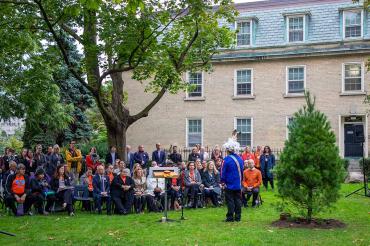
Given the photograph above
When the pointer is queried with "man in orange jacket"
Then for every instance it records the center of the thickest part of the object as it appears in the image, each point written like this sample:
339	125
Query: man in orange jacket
252	180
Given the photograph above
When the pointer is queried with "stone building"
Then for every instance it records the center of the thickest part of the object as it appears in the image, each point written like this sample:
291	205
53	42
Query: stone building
284	47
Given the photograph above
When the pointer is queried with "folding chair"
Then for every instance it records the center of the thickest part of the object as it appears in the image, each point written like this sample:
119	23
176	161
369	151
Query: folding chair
81	194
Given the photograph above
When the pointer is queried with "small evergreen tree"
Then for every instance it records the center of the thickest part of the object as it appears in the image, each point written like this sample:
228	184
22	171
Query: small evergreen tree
310	170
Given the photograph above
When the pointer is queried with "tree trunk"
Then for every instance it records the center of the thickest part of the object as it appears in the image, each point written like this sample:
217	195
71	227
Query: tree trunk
117	138
310	206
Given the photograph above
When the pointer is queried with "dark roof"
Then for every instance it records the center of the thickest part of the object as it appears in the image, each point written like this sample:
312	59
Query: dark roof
269	4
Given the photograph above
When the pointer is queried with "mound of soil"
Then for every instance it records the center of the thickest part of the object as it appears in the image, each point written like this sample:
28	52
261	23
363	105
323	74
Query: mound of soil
314	224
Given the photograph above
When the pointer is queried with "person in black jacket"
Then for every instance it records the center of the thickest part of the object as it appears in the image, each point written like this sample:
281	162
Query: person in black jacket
37	186
61	184
17	189
175	157
211	181
101	190
122	191
54	160
194	155
112	156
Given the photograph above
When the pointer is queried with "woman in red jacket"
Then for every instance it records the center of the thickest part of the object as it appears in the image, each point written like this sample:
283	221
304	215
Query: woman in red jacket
92	160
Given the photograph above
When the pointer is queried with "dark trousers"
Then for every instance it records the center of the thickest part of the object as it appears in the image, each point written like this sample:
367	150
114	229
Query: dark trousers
254	192
265	181
174	195
123	202
64	196
10	202
98	199
234	204
193	190
37	200
211	194
139	203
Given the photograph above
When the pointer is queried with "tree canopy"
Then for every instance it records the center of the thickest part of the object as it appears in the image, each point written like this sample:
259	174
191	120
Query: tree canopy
155	40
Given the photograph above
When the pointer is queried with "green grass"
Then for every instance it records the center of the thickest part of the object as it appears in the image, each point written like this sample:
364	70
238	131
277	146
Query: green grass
202	227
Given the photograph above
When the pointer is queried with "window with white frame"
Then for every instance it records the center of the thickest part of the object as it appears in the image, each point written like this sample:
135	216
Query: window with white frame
244	128
194	132
296	28
244	33
296	79
196	82
243	82
352	77
352	20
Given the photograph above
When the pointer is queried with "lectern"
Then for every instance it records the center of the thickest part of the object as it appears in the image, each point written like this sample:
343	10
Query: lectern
167	173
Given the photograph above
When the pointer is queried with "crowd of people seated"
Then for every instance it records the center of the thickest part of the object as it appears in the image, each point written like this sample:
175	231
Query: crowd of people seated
44	180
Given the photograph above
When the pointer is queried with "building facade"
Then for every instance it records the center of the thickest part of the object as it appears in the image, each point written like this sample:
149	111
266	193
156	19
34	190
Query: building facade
283	48
10	126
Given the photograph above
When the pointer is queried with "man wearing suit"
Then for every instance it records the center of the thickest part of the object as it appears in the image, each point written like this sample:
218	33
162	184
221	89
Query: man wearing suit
141	157
112	156
101	190
122	191
159	155
130	157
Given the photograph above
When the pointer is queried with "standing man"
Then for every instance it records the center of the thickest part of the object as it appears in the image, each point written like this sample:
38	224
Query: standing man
141	157
175	157
231	178
112	156
74	159
159	155
130	158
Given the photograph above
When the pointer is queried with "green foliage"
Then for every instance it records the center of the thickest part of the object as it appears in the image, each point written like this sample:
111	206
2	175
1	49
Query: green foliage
13	141
366	167
310	169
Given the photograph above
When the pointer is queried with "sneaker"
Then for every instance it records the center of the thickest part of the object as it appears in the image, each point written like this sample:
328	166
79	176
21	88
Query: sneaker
71	214
45	213
30	213
228	220
64	205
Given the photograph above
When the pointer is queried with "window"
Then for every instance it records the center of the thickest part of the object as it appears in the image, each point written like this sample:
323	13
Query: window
296	79
244	33
352	24
296	29
196	80
352	77
194	132
243	82
244	127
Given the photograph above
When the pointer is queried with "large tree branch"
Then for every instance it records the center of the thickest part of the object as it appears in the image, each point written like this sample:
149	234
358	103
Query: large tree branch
112	71
145	111
186	50
59	42
71	32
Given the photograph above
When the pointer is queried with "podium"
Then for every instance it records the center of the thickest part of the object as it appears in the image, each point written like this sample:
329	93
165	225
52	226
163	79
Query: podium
167	174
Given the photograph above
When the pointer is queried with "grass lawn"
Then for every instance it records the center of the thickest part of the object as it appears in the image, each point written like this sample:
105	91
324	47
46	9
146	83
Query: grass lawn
202	227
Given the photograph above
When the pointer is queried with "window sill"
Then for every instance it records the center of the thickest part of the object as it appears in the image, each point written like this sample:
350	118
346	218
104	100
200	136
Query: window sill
355	93
244	97
194	99
293	95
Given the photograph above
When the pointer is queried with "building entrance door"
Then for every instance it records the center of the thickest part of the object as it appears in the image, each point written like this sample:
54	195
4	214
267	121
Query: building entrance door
353	140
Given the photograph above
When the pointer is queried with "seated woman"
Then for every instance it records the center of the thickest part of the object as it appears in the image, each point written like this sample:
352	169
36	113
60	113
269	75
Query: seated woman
87	180
211	183
110	174
122	191
16	190
155	193
193	182
140	197
62	186
38	186
174	192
